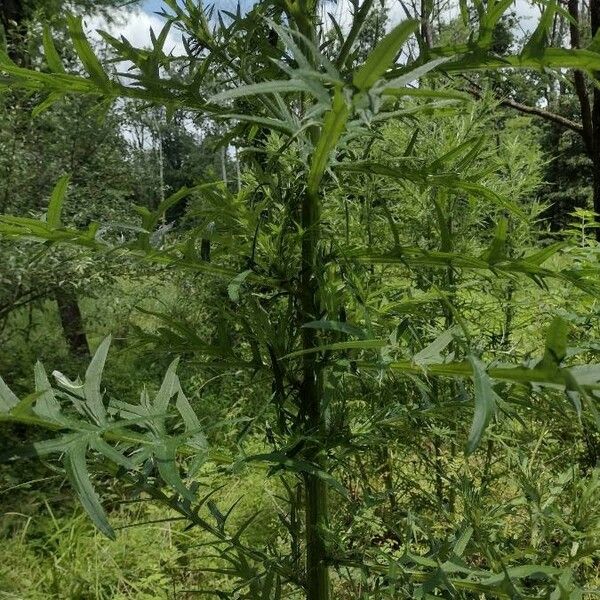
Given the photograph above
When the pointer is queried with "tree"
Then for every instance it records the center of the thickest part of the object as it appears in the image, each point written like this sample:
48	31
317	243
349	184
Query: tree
16	19
586	120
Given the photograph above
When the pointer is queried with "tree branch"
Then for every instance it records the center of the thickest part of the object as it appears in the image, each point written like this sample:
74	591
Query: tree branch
531	110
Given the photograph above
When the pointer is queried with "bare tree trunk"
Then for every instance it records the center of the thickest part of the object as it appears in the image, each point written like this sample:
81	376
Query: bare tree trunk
595	23
590	110
238	171
426	29
224	164
72	323
579	79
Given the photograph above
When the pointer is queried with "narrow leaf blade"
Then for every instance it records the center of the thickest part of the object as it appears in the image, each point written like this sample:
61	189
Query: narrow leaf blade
79	478
56	202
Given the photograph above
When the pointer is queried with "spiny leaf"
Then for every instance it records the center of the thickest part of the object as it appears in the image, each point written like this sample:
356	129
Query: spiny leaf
8	400
79	478
56	202
432	352
382	57
52	57
172	201
86	54
485	403
299	466
168	388
463	369
538	258
455	152
51	99
425	177
265	87
47	406
539	38
57	445
353	344
490	19
440	205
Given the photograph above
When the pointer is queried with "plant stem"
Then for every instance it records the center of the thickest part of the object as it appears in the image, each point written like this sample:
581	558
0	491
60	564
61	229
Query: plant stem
311	398
311	390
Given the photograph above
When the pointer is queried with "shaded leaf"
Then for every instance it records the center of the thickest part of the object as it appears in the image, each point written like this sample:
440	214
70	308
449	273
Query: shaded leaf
342	327
52	57
485	403
86	54
432	352
353	344
56	202
165	452
46	406
556	343
79	477
233	289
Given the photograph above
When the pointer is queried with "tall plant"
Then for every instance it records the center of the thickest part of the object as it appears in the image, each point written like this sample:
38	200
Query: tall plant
308	124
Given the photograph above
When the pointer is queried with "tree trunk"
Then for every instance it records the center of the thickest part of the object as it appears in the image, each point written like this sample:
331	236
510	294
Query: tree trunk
426	29
579	79
595	23
590	111
72	323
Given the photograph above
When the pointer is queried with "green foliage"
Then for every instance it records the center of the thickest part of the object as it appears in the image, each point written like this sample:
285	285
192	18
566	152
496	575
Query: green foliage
379	238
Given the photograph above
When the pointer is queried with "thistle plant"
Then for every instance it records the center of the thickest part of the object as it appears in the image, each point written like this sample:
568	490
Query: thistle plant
306	122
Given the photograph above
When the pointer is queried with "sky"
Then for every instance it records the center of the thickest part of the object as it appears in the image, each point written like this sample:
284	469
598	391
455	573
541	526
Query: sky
151	5
135	25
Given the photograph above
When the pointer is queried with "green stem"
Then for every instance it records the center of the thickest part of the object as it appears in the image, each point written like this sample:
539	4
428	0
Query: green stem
303	14
311	398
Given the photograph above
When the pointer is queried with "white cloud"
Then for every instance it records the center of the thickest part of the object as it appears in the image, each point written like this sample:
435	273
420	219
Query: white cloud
527	10
135	26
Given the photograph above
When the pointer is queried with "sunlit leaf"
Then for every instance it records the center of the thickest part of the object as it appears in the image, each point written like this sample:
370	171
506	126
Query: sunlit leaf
333	127
93	379
8	400
383	56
